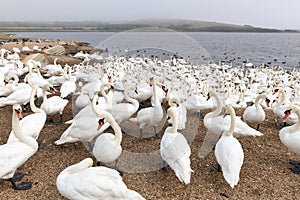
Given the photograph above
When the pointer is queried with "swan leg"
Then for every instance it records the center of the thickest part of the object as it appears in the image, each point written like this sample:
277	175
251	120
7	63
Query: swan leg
198	114
157	136
295	163
295	169
116	168
257	128
17	177
41	146
21	186
282	125
88	146
217	167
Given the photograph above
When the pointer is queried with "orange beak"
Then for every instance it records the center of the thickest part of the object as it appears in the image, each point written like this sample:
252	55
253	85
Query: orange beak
19	115
100	124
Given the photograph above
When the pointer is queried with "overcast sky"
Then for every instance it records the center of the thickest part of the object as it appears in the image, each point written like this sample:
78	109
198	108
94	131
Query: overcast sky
281	14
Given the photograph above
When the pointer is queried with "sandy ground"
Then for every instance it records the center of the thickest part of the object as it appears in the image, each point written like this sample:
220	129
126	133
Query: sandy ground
265	173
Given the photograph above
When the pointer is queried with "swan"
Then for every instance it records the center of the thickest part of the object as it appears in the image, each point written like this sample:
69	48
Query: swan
11	84
281	106
229	153
83	125
68	86
32	124
107	148
290	136
14	155
216	125
53	69
123	111
255	113
54	105
175	150
81	181
150	116
180	112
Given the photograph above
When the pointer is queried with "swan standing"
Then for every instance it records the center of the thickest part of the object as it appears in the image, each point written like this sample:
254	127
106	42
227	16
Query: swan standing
107	148
175	150
68	86
255	113
290	136
81	181
229	153
150	116
54	105
13	155
32	124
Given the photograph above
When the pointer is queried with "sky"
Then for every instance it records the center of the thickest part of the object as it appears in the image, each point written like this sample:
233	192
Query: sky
280	14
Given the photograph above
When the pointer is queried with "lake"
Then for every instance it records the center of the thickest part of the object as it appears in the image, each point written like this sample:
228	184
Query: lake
269	48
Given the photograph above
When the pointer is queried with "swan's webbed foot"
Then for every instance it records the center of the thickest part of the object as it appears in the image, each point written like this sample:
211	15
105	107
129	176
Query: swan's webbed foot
41	146
21	186
296	166
60	120
294	162
162	165
17	177
49	121
217	167
198	115
280	126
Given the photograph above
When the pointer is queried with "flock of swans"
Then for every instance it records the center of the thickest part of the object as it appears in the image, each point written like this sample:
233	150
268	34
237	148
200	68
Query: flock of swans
133	89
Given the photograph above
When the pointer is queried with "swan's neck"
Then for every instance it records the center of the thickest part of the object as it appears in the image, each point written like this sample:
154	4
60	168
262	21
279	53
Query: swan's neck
117	130
30	141
283	96
297	125
175	121
45	99
258	98
218	110
131	100
232	123
32	105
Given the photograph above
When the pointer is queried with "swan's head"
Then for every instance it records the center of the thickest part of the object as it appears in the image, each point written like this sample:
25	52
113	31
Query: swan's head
289	110
174	102
267	102
275	91
101	122
50	88
18	110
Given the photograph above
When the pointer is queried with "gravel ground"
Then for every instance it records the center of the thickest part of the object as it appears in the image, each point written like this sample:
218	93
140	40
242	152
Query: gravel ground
265	173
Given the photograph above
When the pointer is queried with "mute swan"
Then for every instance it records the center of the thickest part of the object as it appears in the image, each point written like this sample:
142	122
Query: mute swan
13	155
290	136
81	181
150	116
32	124
54	105
255	114
123	111
180	112
68	86
175	150
83	126
53	69
216	125
107	148
229	153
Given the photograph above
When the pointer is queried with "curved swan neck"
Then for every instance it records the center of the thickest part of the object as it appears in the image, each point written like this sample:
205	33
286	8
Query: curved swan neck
155	94
232	123
110	119
84	164
131	100
19	134
259	97
32	105
218	110
282	95
174	117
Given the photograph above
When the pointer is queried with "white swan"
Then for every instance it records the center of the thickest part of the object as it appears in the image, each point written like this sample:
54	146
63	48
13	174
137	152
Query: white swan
150	116
290	136
68	86
255	113
180	112
216	125
13	155
175	150
123	111
107	148
83	127
32	124
81	181
229	153
54	105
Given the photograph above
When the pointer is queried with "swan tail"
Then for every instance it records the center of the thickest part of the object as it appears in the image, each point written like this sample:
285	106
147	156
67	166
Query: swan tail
69	122
231	178
131	194
64	137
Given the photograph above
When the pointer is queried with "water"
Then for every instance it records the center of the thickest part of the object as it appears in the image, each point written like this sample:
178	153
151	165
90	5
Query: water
269	48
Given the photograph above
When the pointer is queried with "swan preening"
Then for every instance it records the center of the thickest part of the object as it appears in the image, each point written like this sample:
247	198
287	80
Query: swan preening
82	181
